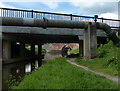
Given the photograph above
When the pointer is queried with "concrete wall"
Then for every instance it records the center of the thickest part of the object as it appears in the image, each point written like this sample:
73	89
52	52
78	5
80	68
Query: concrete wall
0	55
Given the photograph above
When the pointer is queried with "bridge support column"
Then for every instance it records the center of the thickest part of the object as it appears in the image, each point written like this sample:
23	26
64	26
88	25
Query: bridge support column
33	54
0	59
33	49
93	40
90	42
6	49
87	50
32	66
22	49
39	54
81	48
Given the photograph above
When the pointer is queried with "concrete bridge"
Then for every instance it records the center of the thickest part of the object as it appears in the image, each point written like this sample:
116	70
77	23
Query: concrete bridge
36	28
38	36
17	28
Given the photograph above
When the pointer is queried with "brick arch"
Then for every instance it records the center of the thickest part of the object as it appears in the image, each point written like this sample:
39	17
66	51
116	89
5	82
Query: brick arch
59	46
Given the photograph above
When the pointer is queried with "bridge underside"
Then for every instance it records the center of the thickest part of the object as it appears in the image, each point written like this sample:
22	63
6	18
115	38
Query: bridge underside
38	36
34	38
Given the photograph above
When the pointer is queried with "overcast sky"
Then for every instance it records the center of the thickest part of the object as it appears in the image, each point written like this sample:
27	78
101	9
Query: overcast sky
103	8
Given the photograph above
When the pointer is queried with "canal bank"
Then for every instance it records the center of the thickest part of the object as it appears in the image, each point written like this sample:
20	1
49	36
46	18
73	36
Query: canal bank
115	79
59	74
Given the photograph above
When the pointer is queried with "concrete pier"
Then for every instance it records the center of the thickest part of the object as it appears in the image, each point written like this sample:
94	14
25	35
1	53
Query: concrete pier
39	54
93	41
90	42
0	60
22	49
1	55
33	49
32	66
6	49
87	51
81	48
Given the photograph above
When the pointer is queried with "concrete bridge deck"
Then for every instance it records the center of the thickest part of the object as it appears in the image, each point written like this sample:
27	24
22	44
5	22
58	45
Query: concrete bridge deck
52	35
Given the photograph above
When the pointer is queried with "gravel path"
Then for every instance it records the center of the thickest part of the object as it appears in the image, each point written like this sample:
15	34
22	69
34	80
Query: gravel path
115	79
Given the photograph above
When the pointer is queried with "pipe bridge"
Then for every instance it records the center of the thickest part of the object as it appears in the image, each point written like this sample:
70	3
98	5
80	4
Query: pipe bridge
19	27
46	30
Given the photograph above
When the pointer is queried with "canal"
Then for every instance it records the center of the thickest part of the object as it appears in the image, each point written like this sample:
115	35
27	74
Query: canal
14	72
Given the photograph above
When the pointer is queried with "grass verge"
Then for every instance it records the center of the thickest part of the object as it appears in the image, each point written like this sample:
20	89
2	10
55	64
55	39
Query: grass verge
106	61
59	74
74	51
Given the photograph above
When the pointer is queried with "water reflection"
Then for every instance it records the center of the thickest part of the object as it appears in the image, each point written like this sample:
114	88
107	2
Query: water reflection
19	69
28	68
52	54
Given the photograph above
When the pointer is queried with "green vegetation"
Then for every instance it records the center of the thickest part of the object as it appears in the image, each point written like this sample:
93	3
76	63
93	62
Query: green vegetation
28	47
59	74
74	51
13	81
106	61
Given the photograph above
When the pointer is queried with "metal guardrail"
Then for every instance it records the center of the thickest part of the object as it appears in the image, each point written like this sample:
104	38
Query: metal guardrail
7	12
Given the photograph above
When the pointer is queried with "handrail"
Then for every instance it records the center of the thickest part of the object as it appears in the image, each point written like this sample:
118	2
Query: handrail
8	12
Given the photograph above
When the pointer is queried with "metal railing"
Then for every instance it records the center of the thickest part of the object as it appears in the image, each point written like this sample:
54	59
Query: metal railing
7	12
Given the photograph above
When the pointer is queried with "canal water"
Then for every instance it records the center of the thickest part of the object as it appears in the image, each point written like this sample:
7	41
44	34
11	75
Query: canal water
15	72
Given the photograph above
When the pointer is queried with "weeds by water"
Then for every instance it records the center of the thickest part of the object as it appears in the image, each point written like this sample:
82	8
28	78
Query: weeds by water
13	81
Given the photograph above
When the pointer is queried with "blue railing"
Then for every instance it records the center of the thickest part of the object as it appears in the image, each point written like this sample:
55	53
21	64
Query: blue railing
7	12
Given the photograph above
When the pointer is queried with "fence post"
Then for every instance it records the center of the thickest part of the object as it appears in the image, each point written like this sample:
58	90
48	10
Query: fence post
71	17
119	24
102	19
32	13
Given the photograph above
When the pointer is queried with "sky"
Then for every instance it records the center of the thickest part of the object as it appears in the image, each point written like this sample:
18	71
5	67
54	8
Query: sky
102	8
